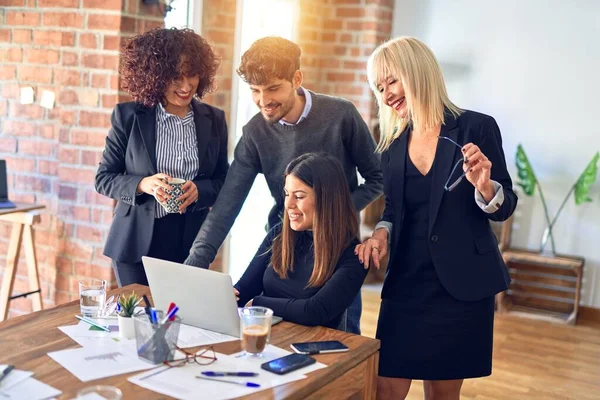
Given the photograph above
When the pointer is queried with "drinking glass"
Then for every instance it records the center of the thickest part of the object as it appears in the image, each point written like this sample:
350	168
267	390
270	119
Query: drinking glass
106	392
256	329
92	297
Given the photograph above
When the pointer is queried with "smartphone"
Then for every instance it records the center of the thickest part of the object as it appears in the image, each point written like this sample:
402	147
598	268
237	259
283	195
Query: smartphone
330	346
289	363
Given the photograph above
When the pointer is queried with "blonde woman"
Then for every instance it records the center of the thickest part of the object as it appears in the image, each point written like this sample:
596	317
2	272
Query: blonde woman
445	178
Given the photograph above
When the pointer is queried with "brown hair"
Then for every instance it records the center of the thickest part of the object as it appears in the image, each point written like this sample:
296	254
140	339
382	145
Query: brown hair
335	220
151	61
269	58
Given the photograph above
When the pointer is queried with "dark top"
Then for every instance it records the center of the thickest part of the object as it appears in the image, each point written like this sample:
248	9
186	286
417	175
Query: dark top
463	248
333	125
130	155
413	280
290	298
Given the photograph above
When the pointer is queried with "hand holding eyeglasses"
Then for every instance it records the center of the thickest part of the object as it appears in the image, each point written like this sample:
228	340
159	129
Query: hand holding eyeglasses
477	168
374	248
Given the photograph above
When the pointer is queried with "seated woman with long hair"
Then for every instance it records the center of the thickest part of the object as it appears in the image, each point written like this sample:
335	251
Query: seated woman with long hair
306	270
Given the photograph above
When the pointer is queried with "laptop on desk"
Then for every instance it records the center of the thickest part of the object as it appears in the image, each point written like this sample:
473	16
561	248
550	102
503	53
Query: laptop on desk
205	298
4	202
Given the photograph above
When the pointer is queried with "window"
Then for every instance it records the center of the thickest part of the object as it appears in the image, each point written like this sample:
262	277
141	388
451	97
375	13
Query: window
256	19
185	14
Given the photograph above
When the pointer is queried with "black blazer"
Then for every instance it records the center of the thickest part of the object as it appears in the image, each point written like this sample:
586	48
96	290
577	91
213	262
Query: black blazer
130	156
463	247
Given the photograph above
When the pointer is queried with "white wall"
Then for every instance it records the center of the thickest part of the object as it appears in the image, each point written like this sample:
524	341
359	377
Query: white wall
535	66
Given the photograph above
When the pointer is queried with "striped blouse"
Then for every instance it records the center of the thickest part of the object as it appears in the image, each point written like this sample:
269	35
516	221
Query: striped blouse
176	147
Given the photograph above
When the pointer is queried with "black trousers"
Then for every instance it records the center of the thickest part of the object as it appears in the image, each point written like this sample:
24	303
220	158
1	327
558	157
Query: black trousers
167	244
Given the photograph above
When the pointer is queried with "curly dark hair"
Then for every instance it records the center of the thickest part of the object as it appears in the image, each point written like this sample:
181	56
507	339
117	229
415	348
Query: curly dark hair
151	61
269	58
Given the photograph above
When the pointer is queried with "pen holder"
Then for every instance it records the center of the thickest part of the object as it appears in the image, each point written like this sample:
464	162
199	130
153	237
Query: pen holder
156	342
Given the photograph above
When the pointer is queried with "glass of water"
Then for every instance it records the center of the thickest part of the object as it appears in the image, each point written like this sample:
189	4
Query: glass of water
100	392
92	296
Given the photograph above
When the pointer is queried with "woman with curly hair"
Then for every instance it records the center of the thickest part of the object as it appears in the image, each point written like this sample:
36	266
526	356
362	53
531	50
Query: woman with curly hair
165	133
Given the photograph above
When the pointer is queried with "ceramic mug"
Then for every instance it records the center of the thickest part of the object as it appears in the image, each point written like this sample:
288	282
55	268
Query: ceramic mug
172	204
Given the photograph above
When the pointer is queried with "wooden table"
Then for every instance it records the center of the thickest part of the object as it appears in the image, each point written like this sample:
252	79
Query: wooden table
26	340
23	217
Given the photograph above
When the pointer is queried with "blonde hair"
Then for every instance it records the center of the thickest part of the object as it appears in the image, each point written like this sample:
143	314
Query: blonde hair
411	62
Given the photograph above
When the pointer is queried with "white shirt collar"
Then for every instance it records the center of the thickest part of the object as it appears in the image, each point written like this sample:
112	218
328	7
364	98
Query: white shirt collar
307	106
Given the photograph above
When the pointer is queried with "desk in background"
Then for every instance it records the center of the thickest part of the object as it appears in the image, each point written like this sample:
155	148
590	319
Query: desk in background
23	217
25	342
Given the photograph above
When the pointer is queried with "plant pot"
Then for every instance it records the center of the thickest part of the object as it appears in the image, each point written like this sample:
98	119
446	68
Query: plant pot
126	327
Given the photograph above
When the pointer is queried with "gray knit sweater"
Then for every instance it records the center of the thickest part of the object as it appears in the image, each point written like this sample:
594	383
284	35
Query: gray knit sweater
333	125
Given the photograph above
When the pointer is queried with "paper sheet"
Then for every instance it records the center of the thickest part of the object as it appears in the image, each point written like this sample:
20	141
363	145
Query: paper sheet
89	363
182	383
13	378
272	352
85	337
30	389
190	336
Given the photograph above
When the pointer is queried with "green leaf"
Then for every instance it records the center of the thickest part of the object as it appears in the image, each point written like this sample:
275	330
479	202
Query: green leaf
527	178
586	180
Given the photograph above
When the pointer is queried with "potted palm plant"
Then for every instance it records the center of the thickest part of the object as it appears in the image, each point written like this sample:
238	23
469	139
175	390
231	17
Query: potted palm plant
528	182
126	310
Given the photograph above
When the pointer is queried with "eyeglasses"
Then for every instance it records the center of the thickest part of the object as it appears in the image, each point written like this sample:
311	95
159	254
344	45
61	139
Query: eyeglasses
459	162
205	356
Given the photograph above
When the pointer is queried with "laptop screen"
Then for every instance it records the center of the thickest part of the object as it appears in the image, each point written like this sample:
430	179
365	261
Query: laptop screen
3	181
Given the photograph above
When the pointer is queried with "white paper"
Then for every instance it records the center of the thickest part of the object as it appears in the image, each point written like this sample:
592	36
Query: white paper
88	363
271	353
182	383
30	389
85	337
190	336
13	378
26	95
47	99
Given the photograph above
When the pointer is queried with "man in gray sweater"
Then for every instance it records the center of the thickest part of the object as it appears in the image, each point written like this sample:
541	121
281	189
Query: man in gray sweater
292	121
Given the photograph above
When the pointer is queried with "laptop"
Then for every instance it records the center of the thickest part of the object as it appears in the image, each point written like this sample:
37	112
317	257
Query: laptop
205	298
4	202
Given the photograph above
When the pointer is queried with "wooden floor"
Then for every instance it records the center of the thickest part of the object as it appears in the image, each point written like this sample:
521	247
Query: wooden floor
532	359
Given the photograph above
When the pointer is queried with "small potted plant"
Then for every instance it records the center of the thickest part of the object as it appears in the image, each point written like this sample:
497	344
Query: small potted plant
126	310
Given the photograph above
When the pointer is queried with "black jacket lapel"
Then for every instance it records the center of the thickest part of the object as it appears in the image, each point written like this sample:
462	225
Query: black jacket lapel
203	123
442	166
146	120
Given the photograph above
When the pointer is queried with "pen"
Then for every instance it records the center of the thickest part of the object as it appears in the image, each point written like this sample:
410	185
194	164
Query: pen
170	315
217	373
243	383
148	308
6	371
94	323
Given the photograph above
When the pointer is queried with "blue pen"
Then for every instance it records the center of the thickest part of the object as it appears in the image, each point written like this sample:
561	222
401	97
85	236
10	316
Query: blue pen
243	383
153	316
216	373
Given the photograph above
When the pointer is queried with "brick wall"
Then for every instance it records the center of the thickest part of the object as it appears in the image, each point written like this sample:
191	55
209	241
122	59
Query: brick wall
71	48
337	37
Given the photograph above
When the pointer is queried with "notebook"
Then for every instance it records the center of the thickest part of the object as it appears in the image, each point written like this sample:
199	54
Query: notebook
4	202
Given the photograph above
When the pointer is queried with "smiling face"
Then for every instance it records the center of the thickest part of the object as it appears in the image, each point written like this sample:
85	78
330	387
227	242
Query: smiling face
394	96
299	204
277	98
181	91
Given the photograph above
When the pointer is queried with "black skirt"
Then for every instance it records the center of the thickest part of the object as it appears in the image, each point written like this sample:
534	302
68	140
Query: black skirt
442	339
